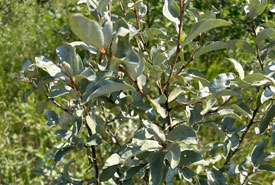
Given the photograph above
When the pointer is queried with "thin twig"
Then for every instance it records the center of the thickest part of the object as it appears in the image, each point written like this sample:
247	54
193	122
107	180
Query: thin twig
109	129
246	178
160	87
139	27
178	48
173	66
223	104
193	54
76	86
122	8
257	47
243	136
139	89
58	105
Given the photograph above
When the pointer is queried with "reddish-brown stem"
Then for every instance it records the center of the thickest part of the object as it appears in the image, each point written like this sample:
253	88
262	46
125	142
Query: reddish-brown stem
160	87
168	110
178	48
122	8
75	84
139	27
139	89
193	55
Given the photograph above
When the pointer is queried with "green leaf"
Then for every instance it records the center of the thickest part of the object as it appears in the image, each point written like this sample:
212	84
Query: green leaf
170	176
265	34
270	24
234	141
108	173
184	134
57	91
221	82
157	104
52	118
187	174
132	171
149	145
171	11
66	171
96	124
209	104
48	66
232	170
85	46
203	26
40	107
102	6
258	156
188	157
67	53
66	134
196	114
267	167
269	115
61	152
156	167
174	94
243	108
106	89
211	47
255	8
175	156
215	177
113	160
238	67
154	33
225	113
266	95
87	30
256	79
156	132
108	33
93	140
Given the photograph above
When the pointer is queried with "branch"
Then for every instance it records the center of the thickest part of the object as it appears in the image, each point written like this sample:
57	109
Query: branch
243	136
95	165
139	27
109	129
246	178
139	89
178	48
122	8
58	105
182	9
76	86
193	55
257	48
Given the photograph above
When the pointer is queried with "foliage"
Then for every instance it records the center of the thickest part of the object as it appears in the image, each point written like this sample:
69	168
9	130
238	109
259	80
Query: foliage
27	28
131	105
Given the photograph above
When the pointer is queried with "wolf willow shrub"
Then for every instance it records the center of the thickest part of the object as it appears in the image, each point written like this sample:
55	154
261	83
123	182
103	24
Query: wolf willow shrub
135	110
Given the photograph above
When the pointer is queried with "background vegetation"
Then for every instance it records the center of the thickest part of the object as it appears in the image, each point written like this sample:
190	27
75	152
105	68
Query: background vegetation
31	28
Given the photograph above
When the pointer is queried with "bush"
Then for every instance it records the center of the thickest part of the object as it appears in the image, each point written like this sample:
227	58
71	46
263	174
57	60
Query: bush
132	111
27	29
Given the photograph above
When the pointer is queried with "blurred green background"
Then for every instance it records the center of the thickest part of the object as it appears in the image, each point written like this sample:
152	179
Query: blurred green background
30	28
